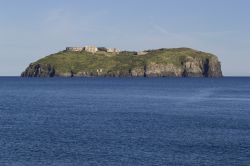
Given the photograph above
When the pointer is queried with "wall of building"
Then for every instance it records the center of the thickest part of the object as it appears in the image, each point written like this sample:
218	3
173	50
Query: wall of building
91	49
74	49
113	50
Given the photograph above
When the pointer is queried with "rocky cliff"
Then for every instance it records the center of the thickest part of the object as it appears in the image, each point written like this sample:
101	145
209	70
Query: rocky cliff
178	62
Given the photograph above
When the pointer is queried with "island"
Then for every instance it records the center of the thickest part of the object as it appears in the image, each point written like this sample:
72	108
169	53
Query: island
91	61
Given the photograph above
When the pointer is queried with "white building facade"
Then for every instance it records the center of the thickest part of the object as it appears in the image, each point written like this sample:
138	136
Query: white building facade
91	49
113	50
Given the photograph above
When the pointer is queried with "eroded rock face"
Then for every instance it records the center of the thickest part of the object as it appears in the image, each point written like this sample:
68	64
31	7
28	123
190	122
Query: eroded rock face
214	68
191	67
138	72
163	70
39	70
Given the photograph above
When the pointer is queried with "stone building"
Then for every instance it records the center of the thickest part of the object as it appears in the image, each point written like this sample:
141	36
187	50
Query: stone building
113	50
76	49
92	49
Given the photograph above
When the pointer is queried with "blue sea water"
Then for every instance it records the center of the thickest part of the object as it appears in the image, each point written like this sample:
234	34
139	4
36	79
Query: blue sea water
124	121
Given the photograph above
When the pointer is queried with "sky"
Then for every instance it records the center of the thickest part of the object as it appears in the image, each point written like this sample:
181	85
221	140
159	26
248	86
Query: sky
30	30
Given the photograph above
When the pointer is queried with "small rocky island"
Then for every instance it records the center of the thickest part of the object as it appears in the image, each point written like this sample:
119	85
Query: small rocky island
90	61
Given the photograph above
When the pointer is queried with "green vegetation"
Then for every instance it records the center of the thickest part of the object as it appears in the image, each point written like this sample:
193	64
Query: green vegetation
75	62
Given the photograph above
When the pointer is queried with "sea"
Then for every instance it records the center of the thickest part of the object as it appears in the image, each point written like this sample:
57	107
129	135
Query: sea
124	121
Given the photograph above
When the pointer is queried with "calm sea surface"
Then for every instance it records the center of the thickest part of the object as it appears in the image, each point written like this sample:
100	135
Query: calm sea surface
124	121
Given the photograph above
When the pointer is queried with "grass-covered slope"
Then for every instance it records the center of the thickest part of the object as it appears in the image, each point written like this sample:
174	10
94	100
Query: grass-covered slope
160	62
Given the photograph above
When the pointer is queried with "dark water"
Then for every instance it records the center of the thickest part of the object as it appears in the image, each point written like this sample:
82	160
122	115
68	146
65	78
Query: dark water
124	121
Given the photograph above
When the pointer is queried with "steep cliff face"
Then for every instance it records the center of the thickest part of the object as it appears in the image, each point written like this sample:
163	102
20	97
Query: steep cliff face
163	70
157	63
191	67
39	70
214	68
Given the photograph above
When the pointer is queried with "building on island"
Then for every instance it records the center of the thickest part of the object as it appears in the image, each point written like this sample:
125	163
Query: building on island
92	49
113	50
76	49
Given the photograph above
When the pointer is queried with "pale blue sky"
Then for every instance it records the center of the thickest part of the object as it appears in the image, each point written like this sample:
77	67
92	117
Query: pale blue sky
30	29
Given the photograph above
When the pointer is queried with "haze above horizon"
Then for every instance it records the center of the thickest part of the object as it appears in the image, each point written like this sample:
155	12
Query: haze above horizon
30	30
